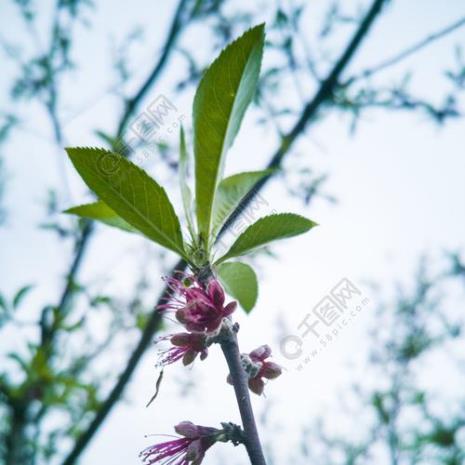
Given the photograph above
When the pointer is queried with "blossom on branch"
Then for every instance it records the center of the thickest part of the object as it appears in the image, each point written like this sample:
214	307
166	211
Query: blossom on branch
199	308
258	368
186	450
185	346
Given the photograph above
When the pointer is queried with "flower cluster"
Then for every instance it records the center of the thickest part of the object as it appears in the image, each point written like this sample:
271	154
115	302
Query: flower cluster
185	450
258	368
201	309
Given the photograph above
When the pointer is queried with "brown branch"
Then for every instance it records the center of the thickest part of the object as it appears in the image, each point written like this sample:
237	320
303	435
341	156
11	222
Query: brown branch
323	94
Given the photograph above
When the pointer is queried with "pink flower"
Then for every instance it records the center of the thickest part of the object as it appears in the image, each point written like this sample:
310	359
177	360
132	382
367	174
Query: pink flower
199	309
258	368
189	449
267	370
186	346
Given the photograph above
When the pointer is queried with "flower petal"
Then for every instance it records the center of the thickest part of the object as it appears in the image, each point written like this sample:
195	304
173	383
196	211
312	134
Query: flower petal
189	357
270	370
180	339
256	385
229	308
216	293
187	429
261	353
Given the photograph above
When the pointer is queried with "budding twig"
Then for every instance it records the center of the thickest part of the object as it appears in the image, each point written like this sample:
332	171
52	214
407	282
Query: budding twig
230	348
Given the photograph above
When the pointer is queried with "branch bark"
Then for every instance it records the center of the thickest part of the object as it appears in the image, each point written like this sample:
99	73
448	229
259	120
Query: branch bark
230	348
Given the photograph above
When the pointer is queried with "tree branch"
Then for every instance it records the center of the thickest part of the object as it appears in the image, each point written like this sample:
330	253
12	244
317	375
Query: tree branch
150	329
394	60
230	348
80	250
133	103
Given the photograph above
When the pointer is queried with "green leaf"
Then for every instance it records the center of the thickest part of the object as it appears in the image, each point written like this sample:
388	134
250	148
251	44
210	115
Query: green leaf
222	97
21	294
230	192
131	193
240	281
100	211
183	180
268	229
3	303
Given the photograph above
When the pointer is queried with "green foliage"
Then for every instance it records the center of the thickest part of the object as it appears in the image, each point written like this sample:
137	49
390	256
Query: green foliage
8	122
20	295
4	311
131	200
9	306
442	436
378	401
222	98
268	229
2	191
231	191
131	193
186	193
100	211
3	303
240	281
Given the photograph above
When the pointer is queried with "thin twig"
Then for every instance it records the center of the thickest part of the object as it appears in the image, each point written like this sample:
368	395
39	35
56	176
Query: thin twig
394	60
173	34
230	348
